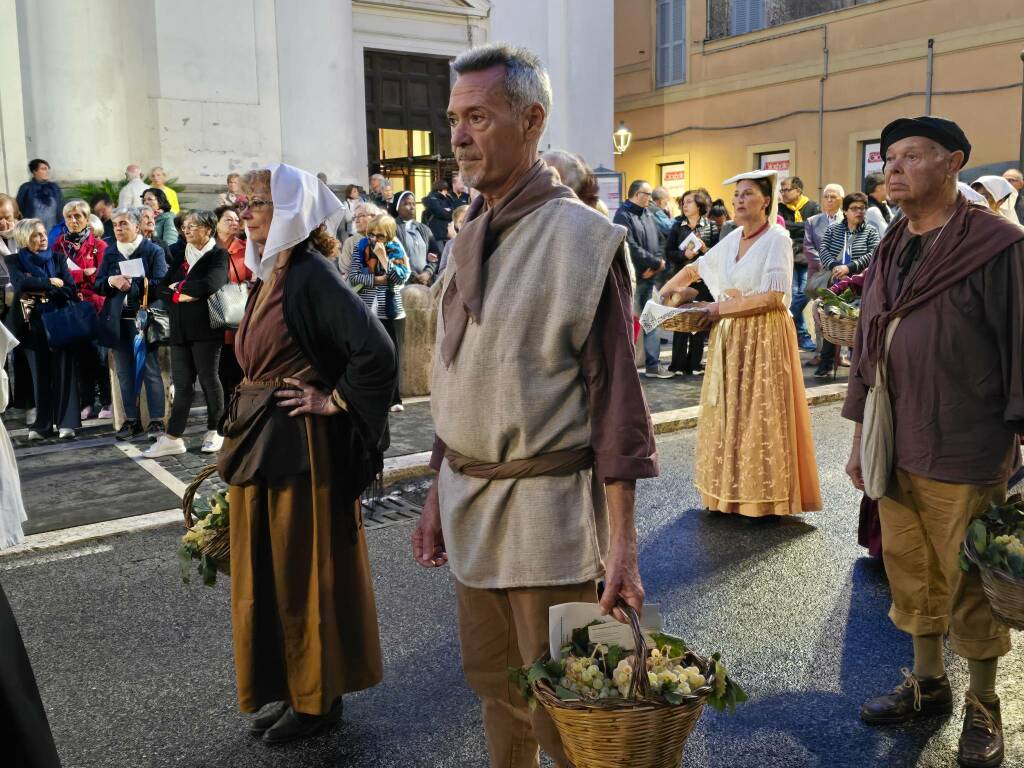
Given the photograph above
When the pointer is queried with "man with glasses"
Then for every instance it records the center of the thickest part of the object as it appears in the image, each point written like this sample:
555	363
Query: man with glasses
814	233
644	245
796	209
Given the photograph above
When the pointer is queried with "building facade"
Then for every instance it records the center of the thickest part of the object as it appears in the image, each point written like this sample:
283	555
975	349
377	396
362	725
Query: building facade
710	88
345	87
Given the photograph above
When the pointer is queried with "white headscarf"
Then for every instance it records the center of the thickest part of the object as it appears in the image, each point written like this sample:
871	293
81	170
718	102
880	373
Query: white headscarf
773	179
301	204
971	195
1003	192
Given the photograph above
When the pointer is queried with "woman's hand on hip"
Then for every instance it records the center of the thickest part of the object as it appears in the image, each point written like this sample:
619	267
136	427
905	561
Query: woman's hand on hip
304	398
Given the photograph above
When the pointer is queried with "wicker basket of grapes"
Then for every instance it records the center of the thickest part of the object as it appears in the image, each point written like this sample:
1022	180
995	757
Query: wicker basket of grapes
207	537
995	546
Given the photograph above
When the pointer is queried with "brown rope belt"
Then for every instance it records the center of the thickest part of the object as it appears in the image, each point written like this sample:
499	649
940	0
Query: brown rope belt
554	464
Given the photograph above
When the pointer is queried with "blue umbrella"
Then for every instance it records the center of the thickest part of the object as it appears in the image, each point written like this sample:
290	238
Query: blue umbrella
139	347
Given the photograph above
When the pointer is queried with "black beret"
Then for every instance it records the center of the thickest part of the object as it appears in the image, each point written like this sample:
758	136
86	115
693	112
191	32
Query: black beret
944	132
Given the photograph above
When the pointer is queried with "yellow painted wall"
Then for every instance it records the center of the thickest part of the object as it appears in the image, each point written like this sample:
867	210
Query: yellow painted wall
876	51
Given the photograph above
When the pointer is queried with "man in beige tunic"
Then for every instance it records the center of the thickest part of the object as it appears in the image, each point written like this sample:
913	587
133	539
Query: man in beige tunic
542	428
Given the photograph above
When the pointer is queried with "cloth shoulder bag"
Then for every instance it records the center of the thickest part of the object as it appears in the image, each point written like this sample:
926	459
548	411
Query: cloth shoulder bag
227	305
877	439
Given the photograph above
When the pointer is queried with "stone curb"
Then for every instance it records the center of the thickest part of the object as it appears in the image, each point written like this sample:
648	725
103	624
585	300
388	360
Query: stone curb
396	469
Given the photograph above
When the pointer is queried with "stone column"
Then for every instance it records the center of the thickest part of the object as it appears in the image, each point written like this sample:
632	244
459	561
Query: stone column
318	89
14	160
420	330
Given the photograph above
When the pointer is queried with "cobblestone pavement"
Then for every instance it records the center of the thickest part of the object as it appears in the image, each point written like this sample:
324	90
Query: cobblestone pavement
136	669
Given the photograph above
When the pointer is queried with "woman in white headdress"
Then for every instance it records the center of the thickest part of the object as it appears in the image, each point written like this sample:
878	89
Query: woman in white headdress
304	438
12	509
1000	195
755	452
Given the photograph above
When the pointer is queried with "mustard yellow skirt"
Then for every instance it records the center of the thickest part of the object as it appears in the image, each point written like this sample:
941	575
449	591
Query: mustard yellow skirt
755	452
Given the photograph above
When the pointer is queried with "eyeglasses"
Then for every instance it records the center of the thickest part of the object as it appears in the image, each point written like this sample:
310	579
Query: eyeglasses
254	204
381	235
857	208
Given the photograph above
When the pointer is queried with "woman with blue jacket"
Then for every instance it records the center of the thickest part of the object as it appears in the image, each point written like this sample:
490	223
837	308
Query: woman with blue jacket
378	271
41	273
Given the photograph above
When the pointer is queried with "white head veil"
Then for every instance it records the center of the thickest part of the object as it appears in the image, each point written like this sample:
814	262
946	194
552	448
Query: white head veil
301	204
1003	192
972	195
773	179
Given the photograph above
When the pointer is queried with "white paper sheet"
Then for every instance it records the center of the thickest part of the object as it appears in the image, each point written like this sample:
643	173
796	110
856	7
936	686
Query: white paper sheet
72	266
132	268
564	618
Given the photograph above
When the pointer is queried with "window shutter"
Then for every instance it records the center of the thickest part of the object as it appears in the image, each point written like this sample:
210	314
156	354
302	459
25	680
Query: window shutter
670	59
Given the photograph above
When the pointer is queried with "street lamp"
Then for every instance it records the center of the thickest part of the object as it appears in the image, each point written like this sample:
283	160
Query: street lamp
623	135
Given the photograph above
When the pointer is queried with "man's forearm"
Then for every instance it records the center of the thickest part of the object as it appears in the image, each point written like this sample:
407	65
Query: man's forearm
621	496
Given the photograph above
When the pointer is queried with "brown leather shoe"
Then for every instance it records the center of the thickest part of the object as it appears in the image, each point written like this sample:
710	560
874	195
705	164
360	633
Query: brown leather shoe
913	698
981	741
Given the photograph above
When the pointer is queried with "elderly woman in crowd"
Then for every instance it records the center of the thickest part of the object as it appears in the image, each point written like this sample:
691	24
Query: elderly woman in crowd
350	201
378	271
233	196
1000	195
147	228
680	250
847	249
364	213
228	231
157	201
304	438
43	275
81	246
755	453
198	269
124	296
158	180
18	359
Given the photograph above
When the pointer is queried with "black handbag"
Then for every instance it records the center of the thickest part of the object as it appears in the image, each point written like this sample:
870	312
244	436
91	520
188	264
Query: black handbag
153	320
69	325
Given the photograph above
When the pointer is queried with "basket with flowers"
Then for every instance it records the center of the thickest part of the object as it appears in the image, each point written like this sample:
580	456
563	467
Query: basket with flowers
207	538
995	546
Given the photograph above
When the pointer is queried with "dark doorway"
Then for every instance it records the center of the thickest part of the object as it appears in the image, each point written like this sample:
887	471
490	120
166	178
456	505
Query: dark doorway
407	134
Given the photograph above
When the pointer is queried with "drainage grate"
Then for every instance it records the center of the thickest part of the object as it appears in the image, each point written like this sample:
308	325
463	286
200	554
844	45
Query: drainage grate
391	510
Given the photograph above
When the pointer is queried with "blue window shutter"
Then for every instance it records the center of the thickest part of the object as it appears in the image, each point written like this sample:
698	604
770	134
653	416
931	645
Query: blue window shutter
747	16
670	55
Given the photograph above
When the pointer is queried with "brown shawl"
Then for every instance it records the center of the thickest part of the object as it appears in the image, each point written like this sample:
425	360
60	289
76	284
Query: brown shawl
478	237
972	237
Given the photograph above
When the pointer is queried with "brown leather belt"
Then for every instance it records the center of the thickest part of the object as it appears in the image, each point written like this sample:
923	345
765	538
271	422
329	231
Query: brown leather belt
554	464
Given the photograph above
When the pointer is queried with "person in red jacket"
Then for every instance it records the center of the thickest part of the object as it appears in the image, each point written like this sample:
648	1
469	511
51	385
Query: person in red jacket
83	253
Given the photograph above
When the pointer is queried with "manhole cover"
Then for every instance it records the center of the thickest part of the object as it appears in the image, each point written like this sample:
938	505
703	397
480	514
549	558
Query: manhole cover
391	510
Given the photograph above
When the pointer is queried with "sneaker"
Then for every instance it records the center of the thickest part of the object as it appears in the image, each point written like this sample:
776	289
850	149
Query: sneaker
86	412
165	446
913	698
66	434
106	412
33	435
397	408
822	372
807	344
212	442
981	741
660	372
128	430
155	429
30	417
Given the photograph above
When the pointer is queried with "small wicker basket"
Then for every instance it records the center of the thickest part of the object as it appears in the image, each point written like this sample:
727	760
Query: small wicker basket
838	329
685	322
219	546
636	732
1004	592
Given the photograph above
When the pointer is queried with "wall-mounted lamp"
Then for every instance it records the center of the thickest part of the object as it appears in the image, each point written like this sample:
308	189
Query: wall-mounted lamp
621	138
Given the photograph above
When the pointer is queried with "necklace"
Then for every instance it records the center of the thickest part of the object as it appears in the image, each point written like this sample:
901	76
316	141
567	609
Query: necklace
752	235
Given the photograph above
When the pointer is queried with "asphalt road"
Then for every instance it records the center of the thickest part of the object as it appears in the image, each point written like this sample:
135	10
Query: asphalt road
135	668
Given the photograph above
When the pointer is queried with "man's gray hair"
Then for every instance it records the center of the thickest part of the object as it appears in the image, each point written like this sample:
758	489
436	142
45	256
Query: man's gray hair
126	213
526	80
570	167
659	194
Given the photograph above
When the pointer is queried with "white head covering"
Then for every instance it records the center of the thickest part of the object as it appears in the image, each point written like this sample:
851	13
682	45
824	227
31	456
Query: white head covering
1004	193
971	195
301	204
773	178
